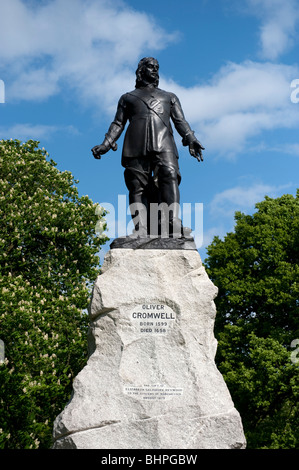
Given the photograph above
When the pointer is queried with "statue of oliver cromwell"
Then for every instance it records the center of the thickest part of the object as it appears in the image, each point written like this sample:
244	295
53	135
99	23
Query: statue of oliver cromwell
149	154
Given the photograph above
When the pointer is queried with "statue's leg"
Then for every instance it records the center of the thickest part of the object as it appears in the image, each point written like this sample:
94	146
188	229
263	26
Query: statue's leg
137	183
168	177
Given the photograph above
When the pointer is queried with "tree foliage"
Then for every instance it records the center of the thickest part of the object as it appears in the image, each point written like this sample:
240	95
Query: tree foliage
256	270
48	259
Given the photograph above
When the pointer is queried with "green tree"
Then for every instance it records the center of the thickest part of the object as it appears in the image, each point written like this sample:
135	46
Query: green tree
256	270
48	260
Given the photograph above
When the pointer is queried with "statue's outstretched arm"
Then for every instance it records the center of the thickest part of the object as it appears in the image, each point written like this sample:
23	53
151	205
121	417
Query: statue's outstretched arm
184	129
114	131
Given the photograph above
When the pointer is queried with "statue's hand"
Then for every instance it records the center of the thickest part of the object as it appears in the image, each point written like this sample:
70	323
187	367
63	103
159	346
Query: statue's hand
99	150
195	149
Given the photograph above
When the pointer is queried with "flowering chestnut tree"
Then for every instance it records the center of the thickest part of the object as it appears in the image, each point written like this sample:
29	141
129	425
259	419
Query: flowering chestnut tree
49	248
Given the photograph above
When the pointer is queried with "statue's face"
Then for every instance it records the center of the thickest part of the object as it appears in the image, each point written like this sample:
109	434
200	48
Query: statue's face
150	71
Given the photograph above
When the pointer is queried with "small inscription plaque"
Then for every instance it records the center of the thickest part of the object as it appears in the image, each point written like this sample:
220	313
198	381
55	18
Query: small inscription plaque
153	318
153	392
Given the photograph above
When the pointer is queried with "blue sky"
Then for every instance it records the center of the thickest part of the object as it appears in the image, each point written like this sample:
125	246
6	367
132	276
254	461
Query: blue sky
65	63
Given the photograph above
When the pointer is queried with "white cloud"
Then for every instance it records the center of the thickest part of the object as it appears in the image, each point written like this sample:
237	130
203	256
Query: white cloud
279	20
34	85
90	45
241	198
221	210
291	149
241	101
208	235
284	148
93	47
35	132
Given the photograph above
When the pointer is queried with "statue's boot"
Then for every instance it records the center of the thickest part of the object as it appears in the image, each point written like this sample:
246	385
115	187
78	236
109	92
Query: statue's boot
171	226
139	216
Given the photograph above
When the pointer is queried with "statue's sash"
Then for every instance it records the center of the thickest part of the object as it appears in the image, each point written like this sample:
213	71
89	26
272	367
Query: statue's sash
152	103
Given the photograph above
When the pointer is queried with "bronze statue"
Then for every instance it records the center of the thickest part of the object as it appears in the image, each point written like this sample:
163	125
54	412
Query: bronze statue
149	154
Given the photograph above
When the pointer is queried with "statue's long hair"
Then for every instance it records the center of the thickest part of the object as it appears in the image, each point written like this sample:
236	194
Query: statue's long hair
139	72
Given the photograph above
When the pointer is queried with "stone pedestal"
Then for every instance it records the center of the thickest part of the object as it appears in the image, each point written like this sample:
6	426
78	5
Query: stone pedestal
151	380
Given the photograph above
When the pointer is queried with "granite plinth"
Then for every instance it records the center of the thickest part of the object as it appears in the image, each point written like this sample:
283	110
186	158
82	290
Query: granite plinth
151	381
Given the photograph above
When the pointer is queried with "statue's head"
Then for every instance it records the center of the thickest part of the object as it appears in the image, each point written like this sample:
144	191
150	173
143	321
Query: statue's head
147	72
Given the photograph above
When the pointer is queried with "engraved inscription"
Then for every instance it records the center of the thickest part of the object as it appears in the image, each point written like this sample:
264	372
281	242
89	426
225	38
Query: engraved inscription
153	318
153	392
